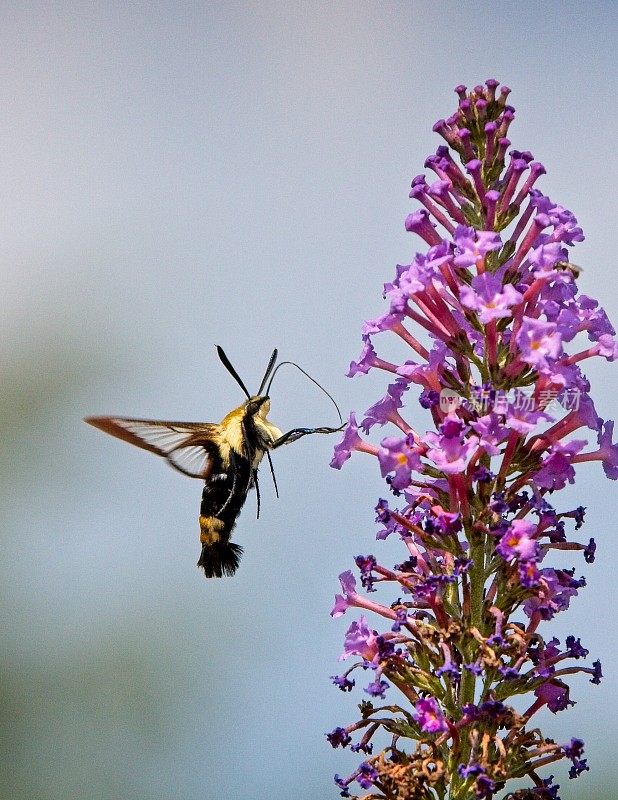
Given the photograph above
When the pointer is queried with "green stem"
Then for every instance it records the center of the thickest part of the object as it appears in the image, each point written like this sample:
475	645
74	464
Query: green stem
477	586
468	679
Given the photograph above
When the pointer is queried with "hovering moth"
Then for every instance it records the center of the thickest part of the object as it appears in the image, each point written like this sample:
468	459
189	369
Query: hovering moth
225	455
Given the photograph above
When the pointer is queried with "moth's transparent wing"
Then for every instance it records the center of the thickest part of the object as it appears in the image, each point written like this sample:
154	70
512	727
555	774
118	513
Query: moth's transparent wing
189	447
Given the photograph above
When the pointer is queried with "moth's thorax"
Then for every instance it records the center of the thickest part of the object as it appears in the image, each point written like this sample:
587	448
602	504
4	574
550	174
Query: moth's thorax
268	431
262	432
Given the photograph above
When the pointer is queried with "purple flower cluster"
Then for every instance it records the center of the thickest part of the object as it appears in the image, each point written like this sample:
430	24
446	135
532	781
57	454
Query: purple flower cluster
494	333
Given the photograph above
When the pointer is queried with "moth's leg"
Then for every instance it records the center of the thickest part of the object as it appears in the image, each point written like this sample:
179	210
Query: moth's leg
252	472
297	433
290	436
272	472
257	491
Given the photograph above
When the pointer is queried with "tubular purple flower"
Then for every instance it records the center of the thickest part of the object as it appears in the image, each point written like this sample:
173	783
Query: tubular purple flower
450	450
351	599
399	456
489	297
536	170
539	341
351	441
386	409
473	167
360	640
539	223
516	168
471	246
607	452
519	541
368	359
419	223
557	467
429	716
421	192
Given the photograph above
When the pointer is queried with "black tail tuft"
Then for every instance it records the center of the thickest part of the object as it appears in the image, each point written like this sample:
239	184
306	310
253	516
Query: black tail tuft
219	559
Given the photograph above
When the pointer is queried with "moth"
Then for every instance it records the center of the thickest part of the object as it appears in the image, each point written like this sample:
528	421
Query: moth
569	266
225	455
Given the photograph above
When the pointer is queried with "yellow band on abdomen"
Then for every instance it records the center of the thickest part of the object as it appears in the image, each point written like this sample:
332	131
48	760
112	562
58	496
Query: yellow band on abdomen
209	530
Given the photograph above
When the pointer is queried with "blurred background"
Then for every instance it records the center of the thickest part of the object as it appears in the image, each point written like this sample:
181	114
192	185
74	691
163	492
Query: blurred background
180	174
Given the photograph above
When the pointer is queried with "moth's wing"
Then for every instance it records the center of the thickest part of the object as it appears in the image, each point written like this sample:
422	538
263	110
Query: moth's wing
189	447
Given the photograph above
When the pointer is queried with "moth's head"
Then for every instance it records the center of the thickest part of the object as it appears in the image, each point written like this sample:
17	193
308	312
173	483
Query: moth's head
258	405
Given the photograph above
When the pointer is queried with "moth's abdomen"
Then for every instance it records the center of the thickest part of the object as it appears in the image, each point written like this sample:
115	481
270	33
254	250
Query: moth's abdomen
219	558
223	497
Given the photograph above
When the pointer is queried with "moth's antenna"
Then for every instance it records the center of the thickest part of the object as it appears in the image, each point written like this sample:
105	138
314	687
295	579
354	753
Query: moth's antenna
313	380
269	369
227	364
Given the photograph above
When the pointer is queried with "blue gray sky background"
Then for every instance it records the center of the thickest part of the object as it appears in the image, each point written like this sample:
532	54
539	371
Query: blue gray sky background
176	175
